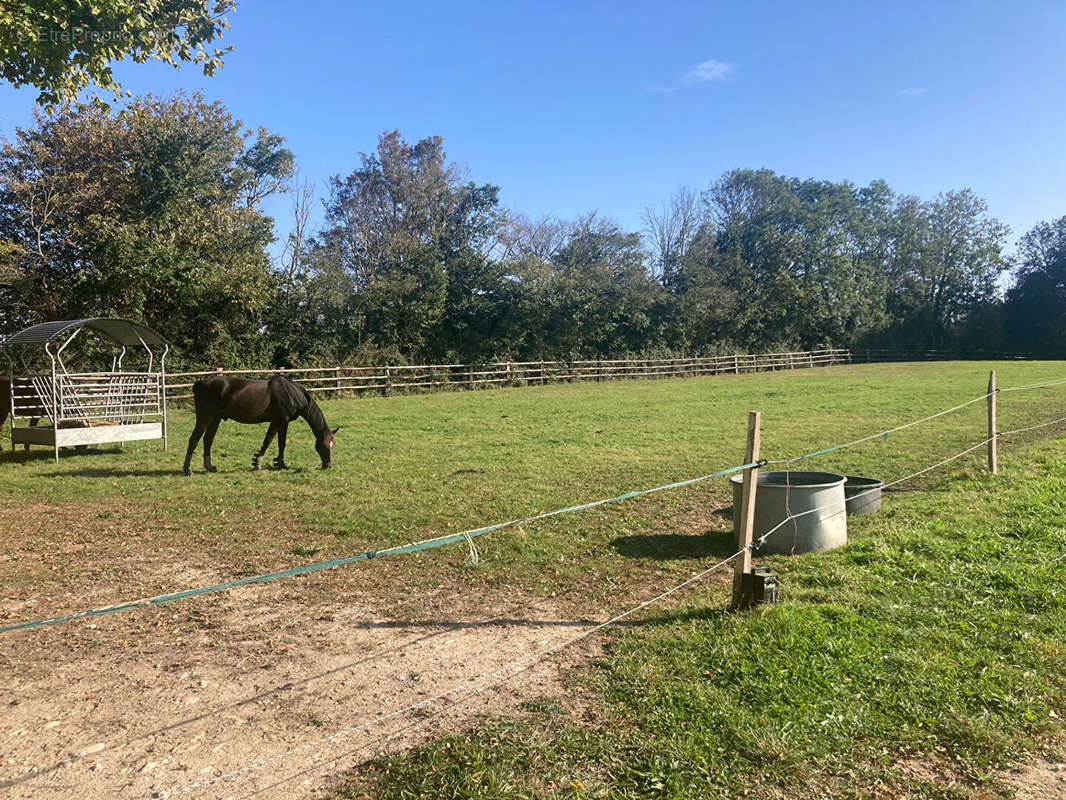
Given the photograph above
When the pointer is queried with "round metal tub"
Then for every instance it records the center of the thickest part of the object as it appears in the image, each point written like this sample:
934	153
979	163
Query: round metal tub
780	494
870	491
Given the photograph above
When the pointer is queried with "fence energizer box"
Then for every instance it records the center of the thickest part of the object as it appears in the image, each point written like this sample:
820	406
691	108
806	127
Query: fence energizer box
758	586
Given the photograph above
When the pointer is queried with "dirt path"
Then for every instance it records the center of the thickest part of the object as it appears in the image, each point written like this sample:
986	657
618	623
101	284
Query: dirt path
155	702
1042	778
168	701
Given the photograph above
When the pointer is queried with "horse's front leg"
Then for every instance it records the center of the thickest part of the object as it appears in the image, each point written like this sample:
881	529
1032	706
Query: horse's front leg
258	457
283	431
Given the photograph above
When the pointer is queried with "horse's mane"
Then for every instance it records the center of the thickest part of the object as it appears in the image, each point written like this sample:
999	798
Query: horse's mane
291	398
314	416
294	399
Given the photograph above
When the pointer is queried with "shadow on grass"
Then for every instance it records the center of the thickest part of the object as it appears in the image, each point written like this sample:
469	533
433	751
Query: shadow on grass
113	472
20	456
676	546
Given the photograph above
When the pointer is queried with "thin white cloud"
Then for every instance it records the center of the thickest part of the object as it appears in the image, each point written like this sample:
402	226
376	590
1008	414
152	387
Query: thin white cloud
708	72
704	72
914	91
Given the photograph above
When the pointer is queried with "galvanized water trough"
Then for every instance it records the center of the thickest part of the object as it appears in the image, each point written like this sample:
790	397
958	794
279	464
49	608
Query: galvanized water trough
780	495
863	495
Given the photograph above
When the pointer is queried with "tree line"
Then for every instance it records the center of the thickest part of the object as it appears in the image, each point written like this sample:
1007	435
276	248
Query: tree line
155	212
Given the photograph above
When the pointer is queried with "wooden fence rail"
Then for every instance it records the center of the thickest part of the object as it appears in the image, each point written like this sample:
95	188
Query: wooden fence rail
392	378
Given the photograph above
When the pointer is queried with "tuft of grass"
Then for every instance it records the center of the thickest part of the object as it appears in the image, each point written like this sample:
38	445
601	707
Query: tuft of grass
916	661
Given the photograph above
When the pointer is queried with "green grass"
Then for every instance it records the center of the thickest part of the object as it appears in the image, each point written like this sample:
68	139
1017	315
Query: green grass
417	466
936	634
934	639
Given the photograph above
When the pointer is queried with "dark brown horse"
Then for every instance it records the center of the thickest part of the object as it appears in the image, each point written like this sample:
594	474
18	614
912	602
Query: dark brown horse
278	401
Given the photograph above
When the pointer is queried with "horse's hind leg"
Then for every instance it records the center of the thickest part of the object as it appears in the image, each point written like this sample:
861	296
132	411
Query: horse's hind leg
283	431
194	440
209	439
271	431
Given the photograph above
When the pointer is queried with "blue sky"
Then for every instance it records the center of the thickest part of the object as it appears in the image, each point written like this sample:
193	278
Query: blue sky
571	107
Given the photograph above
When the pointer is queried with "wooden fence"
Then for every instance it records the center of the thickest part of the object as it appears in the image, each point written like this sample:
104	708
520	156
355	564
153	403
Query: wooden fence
867	356
391	378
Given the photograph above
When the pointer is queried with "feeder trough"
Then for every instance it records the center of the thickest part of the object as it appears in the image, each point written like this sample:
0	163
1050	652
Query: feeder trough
863	495
783	494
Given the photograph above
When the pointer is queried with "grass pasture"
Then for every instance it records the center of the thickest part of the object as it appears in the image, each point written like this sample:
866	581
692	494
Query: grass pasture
928	650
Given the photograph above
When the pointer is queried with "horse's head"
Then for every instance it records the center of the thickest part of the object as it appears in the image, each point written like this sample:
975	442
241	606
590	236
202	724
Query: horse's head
324	446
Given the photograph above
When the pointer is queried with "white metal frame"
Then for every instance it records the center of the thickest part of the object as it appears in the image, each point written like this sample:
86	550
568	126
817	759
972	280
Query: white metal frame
86	408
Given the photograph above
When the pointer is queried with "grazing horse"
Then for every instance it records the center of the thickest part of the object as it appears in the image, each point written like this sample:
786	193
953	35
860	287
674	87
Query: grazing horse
278	401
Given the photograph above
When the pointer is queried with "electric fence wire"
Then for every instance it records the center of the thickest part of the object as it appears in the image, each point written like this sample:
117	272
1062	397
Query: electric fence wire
469	535
506	672
521	665
881	434
1033	386
911	424
305	569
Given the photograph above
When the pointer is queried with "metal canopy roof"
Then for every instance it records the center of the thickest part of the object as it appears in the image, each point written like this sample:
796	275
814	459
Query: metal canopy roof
122	332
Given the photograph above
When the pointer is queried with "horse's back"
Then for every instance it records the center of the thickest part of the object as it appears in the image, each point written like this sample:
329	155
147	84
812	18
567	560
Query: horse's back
232	398
247	400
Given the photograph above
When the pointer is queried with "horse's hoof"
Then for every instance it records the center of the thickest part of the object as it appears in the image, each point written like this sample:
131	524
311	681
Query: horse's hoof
210	468
281	466
186	471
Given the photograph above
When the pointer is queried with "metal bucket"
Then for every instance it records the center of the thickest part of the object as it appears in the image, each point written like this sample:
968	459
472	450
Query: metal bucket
781	494
869	488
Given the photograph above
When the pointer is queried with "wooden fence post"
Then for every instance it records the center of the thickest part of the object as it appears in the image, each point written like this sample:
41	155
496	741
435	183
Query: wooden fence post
993	454
742	565
388	381
337	376
509	379
470	376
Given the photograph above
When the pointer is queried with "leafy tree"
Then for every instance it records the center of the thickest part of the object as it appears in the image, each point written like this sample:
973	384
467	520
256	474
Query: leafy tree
412	235
783	262
1035	308
151	212
788	259
603	301
964	259
62	47
578	289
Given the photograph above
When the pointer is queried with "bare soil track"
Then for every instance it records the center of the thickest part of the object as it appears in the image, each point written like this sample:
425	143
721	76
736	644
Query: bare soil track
168	701
152	702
